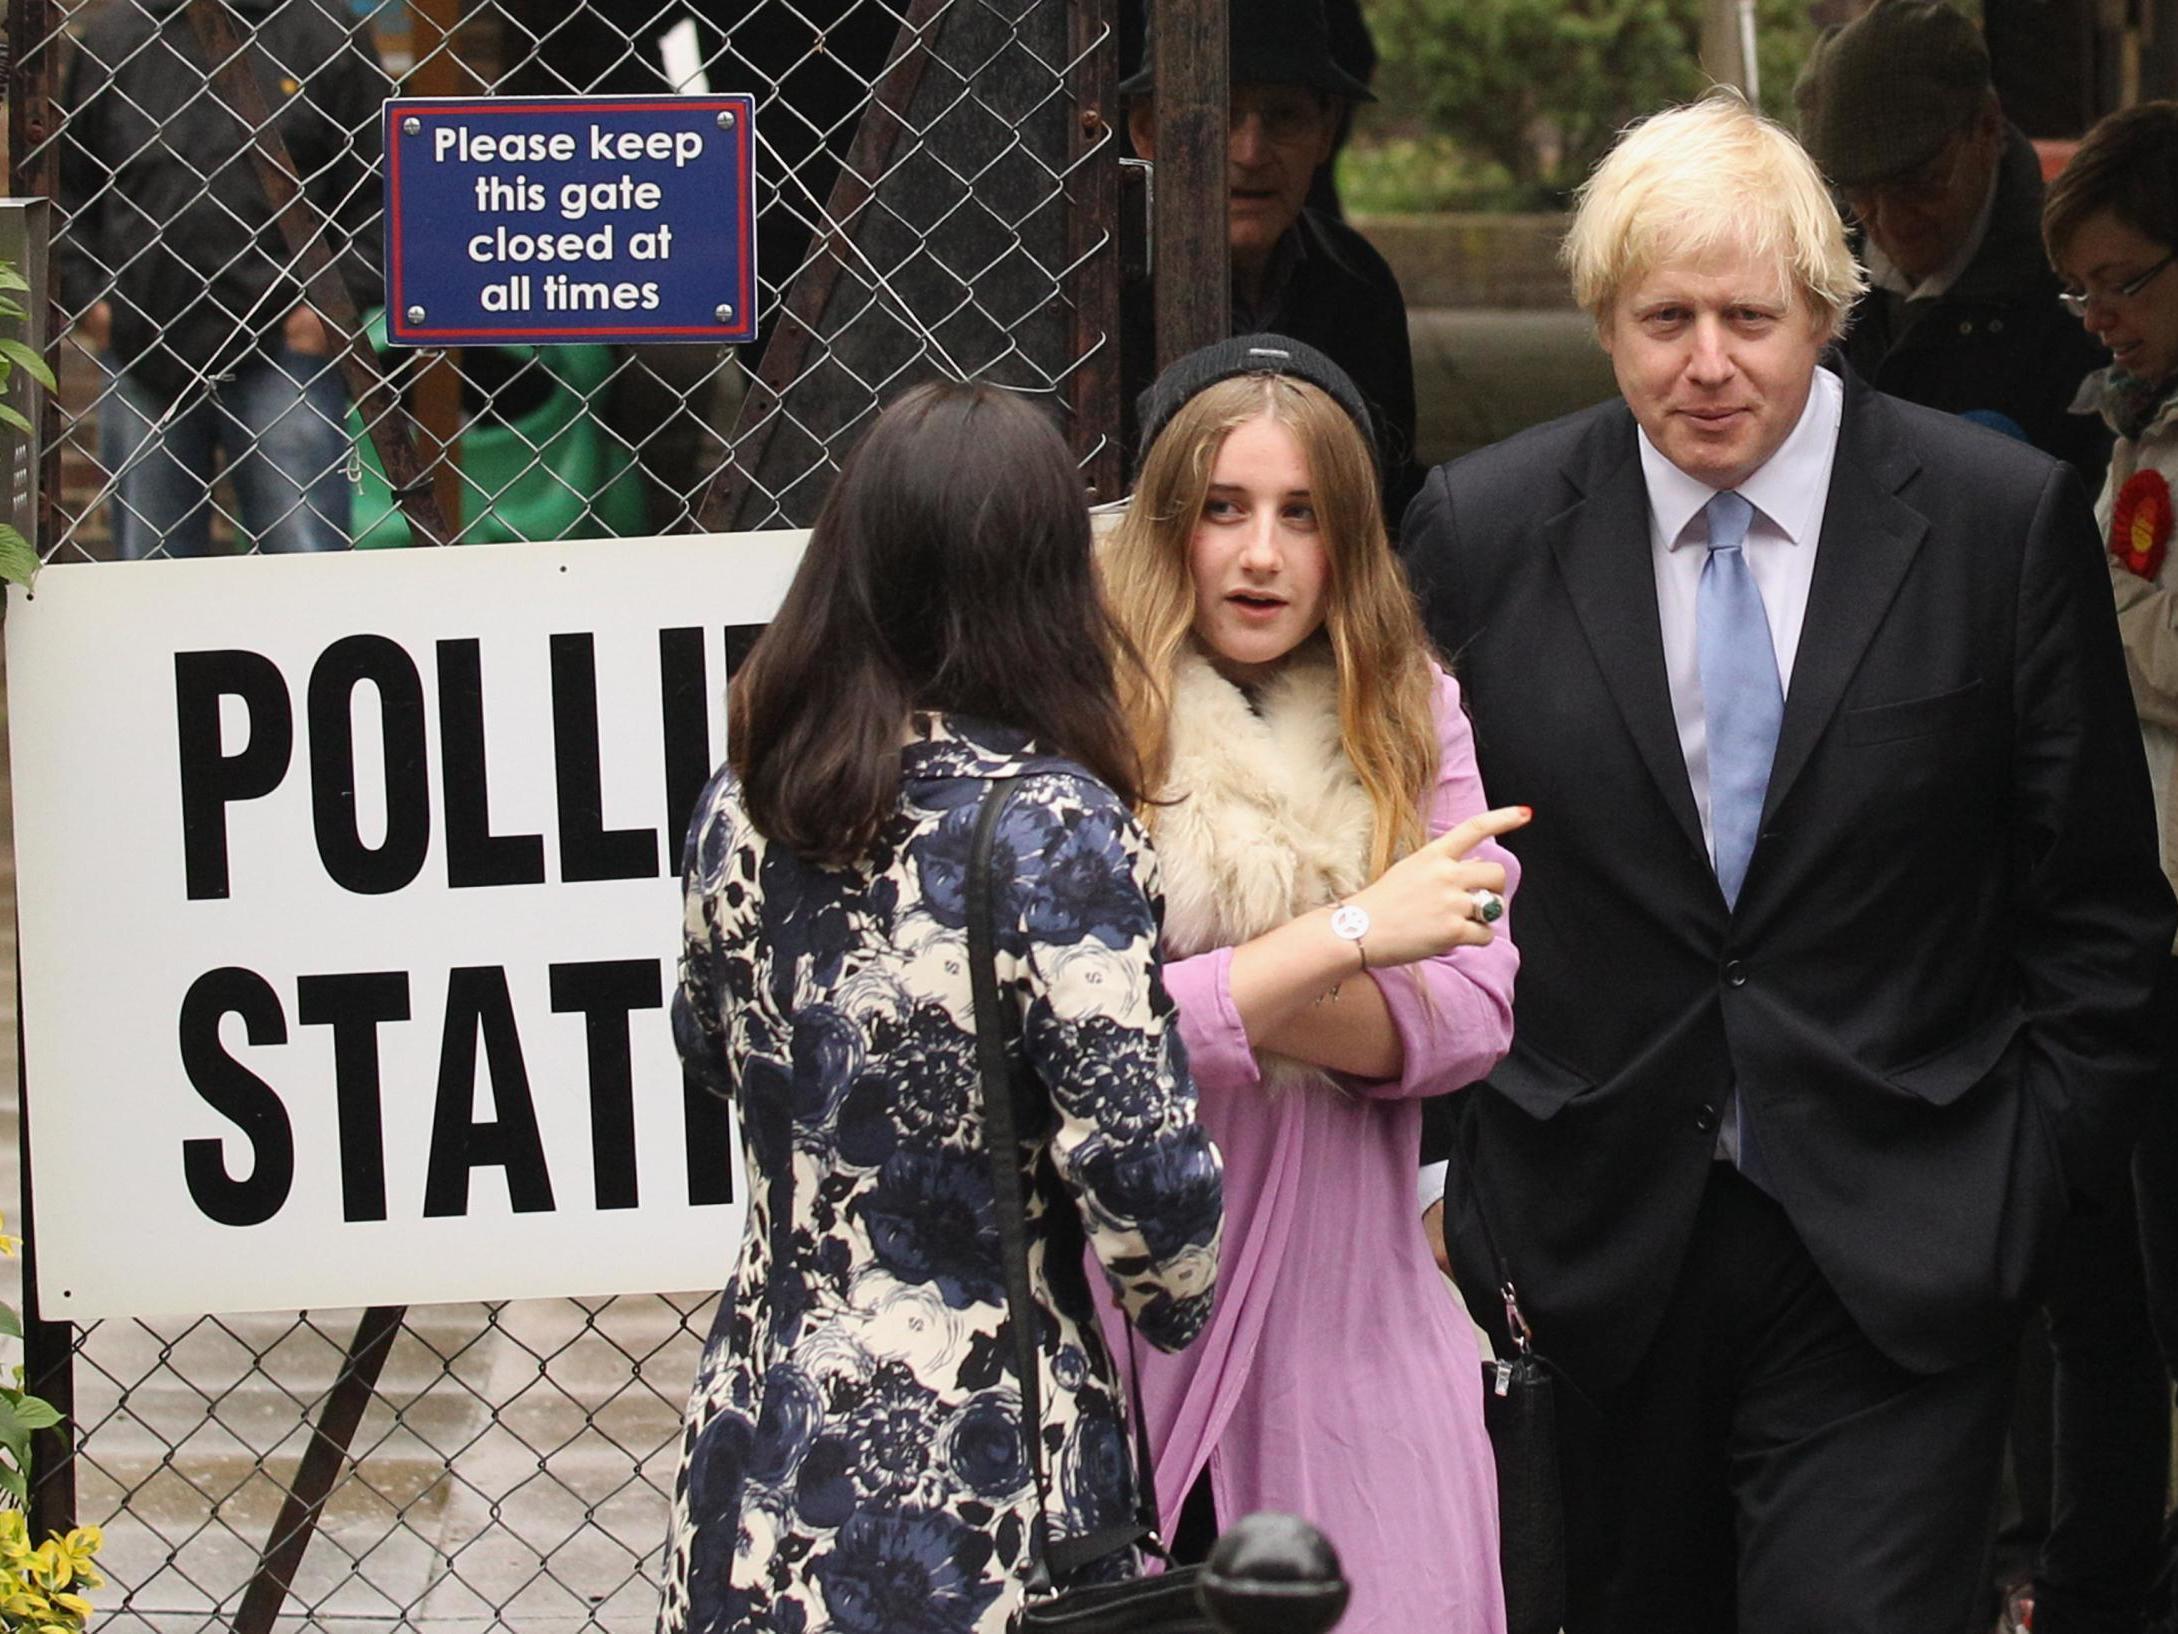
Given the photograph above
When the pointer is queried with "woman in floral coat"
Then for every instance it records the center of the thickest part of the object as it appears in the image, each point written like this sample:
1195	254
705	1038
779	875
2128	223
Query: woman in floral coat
853	1457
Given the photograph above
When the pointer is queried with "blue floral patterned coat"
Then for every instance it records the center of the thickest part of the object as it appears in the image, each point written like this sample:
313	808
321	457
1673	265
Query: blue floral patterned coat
852	1459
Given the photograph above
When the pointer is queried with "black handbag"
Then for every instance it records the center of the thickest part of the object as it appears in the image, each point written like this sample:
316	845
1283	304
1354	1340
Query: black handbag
1269	1571
1520	1409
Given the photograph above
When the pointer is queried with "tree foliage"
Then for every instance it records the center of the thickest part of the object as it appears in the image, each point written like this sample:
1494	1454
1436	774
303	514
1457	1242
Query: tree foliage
1542	86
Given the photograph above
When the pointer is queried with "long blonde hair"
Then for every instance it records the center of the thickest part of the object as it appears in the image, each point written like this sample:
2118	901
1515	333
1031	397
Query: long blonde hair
1383	656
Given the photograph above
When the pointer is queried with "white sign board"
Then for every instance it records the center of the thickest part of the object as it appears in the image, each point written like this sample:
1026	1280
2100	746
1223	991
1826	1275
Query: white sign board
349	907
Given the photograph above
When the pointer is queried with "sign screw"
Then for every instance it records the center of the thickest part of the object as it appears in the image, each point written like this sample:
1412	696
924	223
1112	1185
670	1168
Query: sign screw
412	126
726	119
415	314
725	314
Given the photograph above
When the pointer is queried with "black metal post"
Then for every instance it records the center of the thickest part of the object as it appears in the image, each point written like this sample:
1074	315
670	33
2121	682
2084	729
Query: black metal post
34	172
1093	247
1194	272
49	1348
330	1439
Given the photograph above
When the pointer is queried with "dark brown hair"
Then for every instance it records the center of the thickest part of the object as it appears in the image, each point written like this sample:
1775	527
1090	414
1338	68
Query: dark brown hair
2128	165
949	570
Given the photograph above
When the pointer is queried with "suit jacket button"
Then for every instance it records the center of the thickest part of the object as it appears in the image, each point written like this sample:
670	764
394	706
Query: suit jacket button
1706	1120
1735	973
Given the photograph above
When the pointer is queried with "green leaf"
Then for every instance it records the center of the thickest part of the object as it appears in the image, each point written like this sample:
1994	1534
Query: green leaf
32	364
18	562
14	1433
11	279
11	1325
16	1485
36	1413
8	417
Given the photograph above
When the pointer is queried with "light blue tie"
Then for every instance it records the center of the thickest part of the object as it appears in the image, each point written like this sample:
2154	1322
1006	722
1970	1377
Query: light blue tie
1743	705
1742	701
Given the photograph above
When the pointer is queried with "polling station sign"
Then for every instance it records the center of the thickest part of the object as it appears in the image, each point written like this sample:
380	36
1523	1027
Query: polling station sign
556	220
350	913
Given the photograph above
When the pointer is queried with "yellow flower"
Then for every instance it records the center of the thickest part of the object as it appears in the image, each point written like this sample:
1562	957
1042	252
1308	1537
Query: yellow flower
77	1548
74	1603
8	1245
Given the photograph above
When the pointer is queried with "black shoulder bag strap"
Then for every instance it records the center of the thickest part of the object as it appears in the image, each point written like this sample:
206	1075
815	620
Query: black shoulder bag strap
1002	1144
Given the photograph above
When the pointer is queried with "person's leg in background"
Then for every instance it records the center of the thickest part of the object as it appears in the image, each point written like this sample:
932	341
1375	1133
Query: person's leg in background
2110	1445
160	473
285	422
2155	1194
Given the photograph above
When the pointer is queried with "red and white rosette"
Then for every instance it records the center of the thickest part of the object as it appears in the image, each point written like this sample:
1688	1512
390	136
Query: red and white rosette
2140	524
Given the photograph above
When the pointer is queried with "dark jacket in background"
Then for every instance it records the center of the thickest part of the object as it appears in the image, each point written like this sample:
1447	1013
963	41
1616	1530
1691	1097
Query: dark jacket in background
1339	296
1996	340
164	214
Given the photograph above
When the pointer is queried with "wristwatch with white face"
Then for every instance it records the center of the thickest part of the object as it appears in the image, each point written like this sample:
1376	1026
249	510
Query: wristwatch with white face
1350	923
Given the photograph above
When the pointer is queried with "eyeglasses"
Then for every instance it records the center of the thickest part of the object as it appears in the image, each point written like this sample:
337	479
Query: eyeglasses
2076	301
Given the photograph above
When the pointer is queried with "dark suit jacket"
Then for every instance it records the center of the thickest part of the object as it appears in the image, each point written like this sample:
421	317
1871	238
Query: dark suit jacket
1934	991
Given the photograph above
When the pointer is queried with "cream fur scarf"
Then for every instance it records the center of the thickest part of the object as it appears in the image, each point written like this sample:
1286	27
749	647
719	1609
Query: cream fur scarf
1269	820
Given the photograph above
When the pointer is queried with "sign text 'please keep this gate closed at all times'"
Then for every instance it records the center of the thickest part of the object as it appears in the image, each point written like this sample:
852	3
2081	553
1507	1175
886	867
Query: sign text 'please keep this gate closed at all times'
570	219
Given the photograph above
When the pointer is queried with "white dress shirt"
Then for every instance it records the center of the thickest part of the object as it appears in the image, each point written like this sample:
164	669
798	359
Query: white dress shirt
1789	494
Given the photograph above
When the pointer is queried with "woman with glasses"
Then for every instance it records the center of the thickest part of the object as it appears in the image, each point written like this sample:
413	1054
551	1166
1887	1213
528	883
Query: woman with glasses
2111	224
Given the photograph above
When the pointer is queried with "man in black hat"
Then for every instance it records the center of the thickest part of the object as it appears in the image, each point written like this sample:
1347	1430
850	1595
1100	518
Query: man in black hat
1295	271
1898	111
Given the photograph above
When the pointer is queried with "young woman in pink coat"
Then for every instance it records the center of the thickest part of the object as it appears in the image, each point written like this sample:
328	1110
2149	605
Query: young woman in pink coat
1336	943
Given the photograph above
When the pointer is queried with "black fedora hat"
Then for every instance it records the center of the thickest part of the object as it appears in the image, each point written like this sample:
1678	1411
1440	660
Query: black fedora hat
1274	42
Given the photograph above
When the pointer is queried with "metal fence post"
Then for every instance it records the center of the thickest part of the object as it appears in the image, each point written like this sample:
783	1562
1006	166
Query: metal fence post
1194	95
1093	244
32	171
49	1350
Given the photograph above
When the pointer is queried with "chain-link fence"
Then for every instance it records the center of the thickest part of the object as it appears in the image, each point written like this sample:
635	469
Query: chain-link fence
936	196
511	1468
936	188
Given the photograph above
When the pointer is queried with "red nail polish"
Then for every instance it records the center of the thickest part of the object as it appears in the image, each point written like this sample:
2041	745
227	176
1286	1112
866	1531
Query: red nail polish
1527	811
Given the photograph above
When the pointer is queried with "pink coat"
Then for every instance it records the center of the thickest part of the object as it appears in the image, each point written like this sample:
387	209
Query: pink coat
1339	1379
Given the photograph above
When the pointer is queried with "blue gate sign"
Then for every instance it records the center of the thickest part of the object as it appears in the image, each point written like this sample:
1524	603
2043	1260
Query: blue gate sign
555	220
